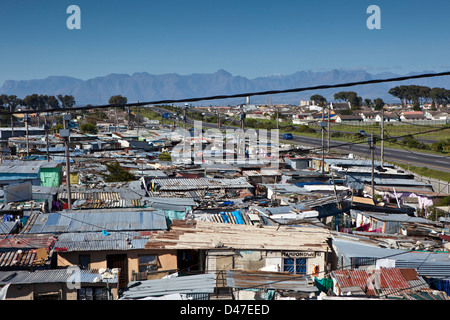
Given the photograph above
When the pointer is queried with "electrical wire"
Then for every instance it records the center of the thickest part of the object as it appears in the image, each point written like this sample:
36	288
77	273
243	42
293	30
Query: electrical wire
320	87
239	95
379	139
329	273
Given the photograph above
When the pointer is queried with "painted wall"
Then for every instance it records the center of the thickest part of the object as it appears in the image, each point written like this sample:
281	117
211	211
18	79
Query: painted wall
167	259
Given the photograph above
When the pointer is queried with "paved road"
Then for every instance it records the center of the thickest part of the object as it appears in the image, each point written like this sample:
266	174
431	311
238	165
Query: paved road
428	160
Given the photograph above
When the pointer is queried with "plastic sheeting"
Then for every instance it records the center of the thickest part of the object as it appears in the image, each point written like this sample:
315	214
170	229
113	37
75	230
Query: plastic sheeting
235	214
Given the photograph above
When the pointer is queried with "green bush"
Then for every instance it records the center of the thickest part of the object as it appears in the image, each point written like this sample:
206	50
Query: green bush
116	173
88	128
411	142
336	134
304	128
440	146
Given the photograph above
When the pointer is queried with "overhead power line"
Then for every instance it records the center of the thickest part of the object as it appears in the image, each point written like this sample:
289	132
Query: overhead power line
240	95
360	141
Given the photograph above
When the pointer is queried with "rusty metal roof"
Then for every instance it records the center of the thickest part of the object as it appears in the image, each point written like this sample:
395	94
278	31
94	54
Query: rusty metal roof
24	241
392	281
25	250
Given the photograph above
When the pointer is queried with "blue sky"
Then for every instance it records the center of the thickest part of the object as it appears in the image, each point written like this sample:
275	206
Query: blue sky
248	38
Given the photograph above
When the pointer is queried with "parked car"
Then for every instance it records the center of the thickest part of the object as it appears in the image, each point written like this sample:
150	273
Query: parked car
362	132
288	136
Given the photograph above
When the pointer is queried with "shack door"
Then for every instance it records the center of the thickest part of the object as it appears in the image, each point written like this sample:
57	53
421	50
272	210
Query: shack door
119	261
219	264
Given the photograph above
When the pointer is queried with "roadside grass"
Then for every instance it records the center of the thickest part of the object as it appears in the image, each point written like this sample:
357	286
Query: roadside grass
395	130
348	131
424	171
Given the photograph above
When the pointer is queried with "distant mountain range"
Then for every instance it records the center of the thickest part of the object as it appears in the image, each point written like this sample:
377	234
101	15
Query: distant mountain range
145	87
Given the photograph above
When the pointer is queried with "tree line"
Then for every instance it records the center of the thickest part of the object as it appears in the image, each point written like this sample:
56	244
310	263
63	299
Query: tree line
356	102
36	102
414	95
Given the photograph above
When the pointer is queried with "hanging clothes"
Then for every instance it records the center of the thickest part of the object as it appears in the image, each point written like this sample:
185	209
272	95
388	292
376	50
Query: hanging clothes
324	285
7	218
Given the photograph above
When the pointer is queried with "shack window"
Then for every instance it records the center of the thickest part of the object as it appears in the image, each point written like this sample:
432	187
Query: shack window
148	263
47	296
84	261
92	293
295	265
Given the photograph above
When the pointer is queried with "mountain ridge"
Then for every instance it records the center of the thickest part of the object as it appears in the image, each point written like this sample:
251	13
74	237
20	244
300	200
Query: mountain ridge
144	86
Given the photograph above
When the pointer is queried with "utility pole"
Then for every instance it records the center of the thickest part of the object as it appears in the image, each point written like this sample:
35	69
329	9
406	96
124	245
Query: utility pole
278	118
382	138
242	118
26	129
328	129
65	134
115	119
46	137
322	125
184	131
372	153
138	119
12	121
69	193
218	118
184	115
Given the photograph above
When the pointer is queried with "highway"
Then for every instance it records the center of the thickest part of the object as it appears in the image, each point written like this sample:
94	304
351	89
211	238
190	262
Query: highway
418	159
422	159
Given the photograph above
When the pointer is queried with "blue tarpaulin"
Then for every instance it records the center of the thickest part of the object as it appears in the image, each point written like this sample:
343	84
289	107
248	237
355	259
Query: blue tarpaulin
225	217
236	215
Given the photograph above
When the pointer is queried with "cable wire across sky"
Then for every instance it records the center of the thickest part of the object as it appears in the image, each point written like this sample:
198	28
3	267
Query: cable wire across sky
241	95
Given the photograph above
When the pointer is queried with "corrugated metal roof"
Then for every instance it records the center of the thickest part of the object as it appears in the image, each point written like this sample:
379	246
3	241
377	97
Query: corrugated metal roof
98	195
26	167
18	259
430	264
19	250
50	276
390	280
80	221
202	283
204	183
96	241
102	204
427	268
396	217
7	227
262	172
